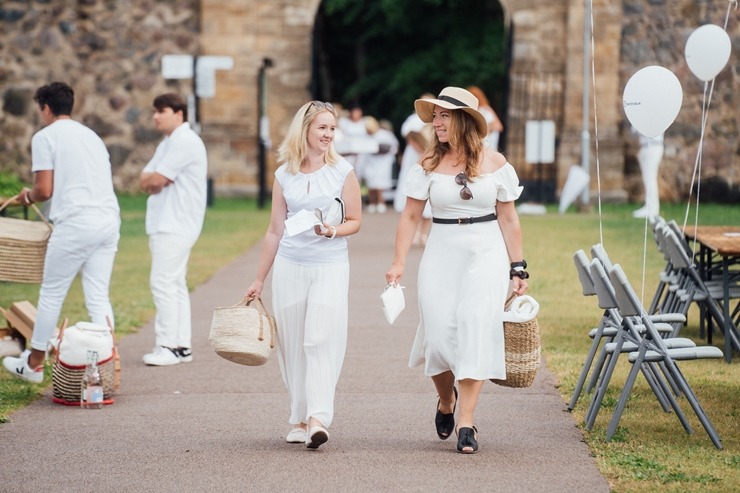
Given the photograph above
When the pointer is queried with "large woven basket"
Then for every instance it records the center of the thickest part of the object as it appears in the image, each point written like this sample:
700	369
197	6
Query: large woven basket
242	333
67	379
522	347
23	247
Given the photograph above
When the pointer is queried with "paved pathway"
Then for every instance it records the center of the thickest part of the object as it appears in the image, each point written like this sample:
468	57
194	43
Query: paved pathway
212	425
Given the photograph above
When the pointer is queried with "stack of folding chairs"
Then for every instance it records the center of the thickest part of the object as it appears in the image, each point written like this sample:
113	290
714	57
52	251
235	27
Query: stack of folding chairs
647	338
685	282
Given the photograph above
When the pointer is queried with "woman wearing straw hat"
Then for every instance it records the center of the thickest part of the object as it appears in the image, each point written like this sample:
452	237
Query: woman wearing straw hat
472	260
310	265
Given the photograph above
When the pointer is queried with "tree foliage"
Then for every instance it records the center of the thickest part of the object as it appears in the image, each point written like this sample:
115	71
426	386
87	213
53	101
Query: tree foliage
383	54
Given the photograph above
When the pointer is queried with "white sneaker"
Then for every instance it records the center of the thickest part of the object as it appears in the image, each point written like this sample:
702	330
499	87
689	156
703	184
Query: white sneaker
297	435
640	213
19	367
372	208
184	354
382	208
161	356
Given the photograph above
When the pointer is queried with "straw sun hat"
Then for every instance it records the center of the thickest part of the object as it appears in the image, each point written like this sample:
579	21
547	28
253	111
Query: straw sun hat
453	98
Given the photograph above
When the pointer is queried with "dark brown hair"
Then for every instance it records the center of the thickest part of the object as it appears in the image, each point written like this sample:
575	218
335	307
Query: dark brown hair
174	101
58	96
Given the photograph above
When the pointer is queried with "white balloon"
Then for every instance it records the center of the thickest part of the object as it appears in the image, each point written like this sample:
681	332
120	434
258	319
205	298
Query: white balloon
707	51
652	99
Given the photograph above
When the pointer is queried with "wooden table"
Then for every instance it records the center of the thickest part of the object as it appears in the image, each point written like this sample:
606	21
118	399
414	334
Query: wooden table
723	242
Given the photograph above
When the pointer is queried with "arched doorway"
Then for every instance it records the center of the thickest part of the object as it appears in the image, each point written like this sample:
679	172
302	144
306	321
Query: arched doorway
383	55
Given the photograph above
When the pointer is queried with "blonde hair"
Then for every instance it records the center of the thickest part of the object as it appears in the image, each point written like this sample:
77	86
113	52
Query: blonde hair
293	149
463	137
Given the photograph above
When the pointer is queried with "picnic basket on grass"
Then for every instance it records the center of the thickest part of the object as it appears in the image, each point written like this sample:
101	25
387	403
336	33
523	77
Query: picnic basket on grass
23	247
69	362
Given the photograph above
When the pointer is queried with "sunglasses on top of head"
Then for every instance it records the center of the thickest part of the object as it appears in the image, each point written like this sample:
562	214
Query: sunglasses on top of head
322	105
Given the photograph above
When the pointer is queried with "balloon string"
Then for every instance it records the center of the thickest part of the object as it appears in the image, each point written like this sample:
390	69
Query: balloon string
596	126
706	103
644	259
729	7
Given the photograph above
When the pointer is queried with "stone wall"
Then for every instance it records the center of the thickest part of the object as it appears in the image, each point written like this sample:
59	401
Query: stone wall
628	36
250	32
109	51
655	33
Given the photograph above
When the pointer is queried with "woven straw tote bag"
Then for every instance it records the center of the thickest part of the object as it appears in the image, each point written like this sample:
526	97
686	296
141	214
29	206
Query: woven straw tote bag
23	246
523	347
243	333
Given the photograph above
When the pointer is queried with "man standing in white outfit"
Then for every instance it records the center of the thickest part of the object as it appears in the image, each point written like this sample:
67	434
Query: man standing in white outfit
176	181
71	166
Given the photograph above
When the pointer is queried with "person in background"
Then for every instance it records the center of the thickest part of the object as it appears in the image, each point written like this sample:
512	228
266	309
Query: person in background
417	135
71	167
353	131
379	167
310	280
176	179
649	157
495	127
472	260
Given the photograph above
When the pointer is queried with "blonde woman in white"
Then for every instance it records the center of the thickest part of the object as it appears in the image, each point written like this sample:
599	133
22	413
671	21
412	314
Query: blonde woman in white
310	267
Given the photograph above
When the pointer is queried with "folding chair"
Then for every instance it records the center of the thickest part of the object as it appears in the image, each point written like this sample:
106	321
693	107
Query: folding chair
670	313
608	327
652	350
714	286
627	339
604	331
679	294
707	297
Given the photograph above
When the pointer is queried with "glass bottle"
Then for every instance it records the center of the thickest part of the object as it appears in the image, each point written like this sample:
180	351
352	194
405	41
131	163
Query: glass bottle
92	384
85	379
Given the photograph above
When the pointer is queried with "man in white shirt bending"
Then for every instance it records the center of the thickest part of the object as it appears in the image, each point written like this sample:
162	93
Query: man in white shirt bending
71	168
176	181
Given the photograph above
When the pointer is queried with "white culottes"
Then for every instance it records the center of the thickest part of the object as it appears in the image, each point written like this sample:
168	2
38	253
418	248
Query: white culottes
311	309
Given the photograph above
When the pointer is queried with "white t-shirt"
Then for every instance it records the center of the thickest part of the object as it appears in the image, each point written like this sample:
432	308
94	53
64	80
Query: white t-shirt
181	206
311	191
81	165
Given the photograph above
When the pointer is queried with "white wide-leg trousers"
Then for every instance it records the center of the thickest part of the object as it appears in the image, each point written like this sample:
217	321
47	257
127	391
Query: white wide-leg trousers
170	255
85	243
311	310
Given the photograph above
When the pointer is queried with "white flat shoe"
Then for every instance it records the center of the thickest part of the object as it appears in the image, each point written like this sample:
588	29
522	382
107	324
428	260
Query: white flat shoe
297	435
316	436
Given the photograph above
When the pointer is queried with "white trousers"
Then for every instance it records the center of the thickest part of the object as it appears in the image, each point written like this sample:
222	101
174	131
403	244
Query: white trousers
170	255
649	157
311	310
85	243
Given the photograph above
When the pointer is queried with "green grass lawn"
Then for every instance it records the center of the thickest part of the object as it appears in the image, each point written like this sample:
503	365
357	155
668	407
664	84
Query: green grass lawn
650	451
